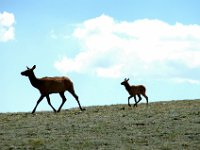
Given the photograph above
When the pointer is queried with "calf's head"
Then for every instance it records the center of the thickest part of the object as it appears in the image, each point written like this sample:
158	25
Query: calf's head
29	71
125	81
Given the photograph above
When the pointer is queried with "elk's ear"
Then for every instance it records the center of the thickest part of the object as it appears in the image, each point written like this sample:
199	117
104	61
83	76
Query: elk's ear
33	67
127	79
27	67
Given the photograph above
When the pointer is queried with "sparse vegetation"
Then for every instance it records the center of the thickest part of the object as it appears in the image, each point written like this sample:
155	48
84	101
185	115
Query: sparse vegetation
161	125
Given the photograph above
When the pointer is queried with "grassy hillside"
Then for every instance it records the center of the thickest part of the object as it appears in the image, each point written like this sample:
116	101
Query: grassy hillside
162	125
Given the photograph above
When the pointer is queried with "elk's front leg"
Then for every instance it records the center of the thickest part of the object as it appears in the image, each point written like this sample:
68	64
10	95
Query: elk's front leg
49	102
40	99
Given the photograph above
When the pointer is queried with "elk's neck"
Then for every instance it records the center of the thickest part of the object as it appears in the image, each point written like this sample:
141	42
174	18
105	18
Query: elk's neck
34	81
127	86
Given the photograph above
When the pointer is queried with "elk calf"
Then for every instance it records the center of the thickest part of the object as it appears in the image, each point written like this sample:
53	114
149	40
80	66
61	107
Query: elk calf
135	90
49	85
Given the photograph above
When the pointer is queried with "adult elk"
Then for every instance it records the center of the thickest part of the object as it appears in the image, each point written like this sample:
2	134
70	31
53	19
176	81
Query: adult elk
49	85
135	90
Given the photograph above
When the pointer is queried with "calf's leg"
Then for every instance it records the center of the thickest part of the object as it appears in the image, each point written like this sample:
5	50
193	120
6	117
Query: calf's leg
145	97
140	98
129	100
135	105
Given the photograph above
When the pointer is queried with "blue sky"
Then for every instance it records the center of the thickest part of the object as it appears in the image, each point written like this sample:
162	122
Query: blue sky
97	44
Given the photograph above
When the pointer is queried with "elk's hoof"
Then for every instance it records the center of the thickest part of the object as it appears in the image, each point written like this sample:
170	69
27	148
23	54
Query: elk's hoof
83	109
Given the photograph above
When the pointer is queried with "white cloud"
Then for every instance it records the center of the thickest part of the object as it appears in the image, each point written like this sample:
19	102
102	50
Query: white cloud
53	34
7	31
113	72
112	48
185	80
79	64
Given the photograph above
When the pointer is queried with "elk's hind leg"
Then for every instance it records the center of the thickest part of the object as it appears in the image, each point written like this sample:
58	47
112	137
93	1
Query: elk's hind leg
76	97
63	100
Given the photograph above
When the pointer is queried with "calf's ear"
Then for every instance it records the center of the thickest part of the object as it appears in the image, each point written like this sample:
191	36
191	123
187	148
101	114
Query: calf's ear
33	67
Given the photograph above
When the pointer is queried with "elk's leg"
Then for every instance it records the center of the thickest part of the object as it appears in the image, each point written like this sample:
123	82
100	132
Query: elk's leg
63	100
129	100
40	99
76	97
49	102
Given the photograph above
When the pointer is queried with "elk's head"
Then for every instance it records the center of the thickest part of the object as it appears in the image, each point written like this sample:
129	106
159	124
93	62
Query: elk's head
29	71
125	81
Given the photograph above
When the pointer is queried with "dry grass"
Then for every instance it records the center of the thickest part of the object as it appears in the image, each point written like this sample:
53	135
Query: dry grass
162	125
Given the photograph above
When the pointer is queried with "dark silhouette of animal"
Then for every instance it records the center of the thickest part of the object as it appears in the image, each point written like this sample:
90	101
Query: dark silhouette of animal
135	90
49	85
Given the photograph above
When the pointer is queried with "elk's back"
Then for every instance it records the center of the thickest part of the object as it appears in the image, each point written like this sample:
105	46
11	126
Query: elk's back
55	84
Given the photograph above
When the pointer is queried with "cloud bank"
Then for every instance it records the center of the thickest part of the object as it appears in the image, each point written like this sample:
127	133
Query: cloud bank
7	31
145	47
